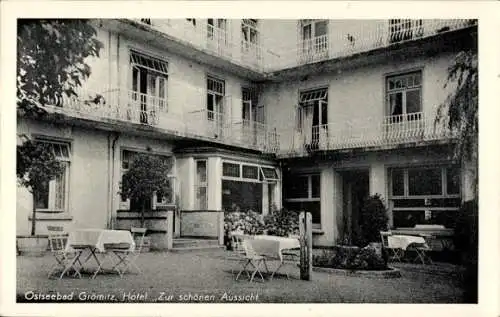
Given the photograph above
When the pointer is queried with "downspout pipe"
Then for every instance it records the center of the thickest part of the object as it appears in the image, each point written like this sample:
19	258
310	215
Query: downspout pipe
111	178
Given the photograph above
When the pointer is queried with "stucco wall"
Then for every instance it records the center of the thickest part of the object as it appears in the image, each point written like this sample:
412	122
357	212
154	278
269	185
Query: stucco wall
88	191
331	182
186	81
200	223
356	96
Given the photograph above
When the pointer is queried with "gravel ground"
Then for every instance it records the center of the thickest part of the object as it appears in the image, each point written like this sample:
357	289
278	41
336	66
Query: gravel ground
190	277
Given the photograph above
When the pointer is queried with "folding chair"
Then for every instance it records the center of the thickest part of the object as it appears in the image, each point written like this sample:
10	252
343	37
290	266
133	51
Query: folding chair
238	251
396	254
65	259
127	257
421	252
291	256
253	259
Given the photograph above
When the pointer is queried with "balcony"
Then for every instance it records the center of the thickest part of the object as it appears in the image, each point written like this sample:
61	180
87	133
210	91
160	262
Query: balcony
215	39
115	106
344	39
365	133
216	126
348	39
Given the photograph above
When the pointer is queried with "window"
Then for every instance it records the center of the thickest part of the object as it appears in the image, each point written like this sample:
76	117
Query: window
424	195
201	186
404	94
314	38
191	21
250	43
404	29
241	195
252	111
312	117
159	199
250	171
303	192
53	196
215	98
250	31
217	30
230	169
149	87
269	174
247	172
243	186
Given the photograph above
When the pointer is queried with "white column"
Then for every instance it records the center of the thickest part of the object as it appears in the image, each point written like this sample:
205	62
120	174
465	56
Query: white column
378	180
337	208
328	222
265	199
277	191
378	184
186	175
214	167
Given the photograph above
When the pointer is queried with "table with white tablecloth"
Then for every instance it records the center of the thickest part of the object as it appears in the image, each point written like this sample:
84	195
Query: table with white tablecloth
277	245
98	240
403	241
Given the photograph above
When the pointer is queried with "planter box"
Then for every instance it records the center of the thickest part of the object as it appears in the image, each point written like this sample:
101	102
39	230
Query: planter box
32	245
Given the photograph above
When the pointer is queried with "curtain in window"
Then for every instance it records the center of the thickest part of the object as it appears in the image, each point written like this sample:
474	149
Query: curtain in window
307	123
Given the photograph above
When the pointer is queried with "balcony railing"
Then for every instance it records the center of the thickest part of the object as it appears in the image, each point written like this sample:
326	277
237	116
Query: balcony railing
366	132
217	40
127	106
216	126
366	36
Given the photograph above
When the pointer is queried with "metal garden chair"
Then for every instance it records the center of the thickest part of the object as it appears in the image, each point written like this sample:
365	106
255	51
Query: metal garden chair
66	259
127	256
396	253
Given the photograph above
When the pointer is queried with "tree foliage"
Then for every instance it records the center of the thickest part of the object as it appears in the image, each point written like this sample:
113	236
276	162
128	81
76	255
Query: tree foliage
461	106
36	166
147	175
51	60
373	220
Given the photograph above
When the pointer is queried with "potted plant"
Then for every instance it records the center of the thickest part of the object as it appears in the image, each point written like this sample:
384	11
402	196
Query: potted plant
36	166
147	176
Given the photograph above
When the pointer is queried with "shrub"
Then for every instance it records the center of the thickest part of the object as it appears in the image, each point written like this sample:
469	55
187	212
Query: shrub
250	222
373	220
351	258
466	242
282	222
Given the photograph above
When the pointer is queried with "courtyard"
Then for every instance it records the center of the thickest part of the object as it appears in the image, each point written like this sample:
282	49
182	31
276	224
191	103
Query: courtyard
206	276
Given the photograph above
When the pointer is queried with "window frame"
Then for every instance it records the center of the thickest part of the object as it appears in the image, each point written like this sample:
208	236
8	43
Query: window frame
404	92
198	185
52	194
406	195
260	179
217	107
125	204
317	104
309	198
250	29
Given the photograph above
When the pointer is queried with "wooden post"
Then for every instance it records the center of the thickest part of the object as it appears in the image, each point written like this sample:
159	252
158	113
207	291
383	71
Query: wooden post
305	227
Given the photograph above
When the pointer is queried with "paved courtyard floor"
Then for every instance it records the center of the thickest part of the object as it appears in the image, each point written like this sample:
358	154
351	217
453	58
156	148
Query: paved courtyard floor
179	277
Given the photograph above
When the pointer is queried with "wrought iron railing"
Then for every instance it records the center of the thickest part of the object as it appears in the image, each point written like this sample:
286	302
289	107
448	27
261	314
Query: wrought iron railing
365	132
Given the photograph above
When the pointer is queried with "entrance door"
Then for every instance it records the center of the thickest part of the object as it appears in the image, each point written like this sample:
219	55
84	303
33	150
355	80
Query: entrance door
355	191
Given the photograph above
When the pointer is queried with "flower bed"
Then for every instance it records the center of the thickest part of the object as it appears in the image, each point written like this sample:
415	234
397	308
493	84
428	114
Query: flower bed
368	258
